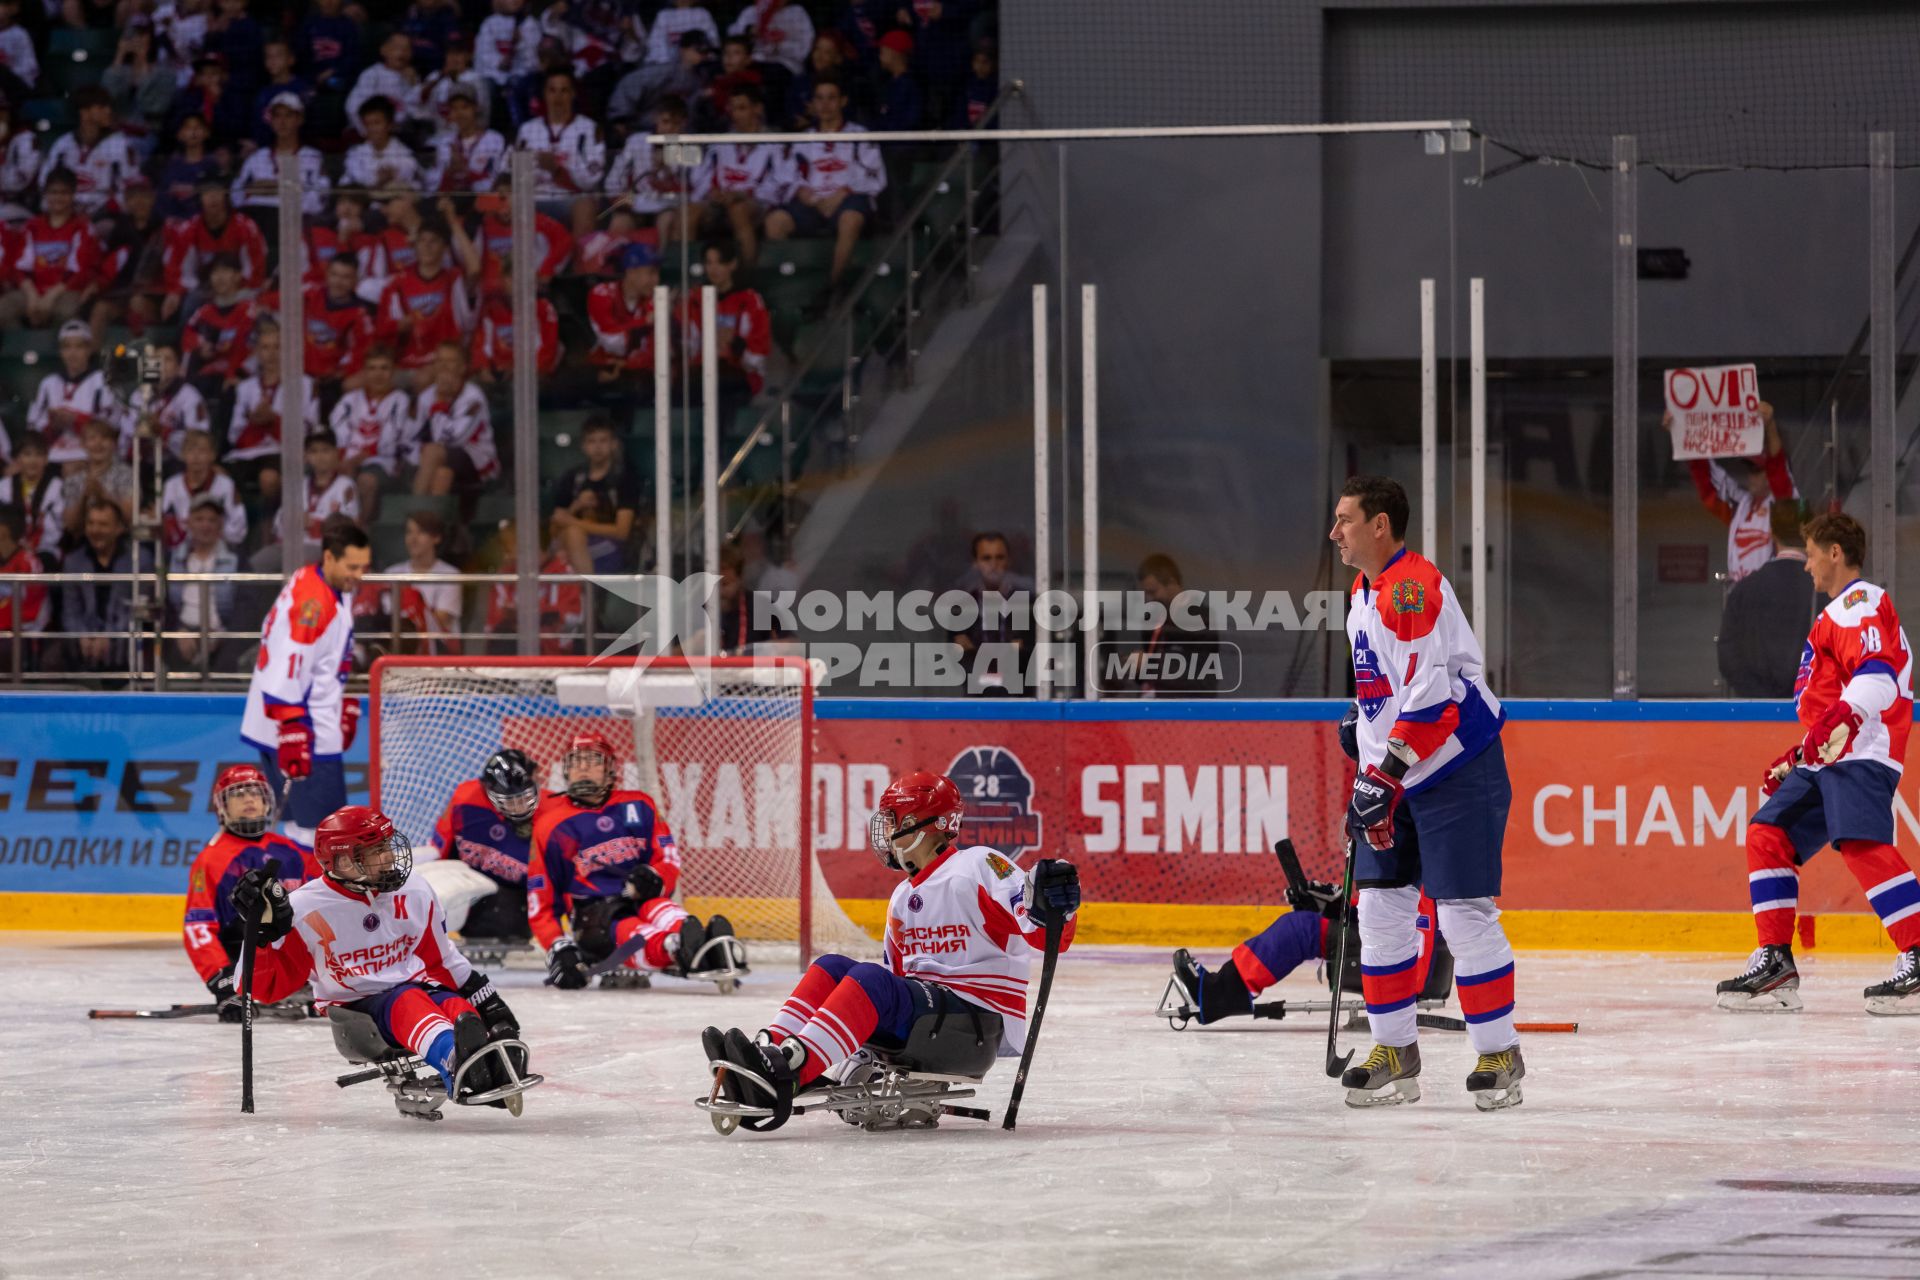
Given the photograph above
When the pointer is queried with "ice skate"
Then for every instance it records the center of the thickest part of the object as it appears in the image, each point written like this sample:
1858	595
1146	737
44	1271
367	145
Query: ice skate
721	959
1770	985
1385	1079
1194	994
1494	1081
1898	996
685	946
489	1070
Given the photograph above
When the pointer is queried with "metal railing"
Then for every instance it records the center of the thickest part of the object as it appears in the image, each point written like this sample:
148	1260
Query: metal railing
928	269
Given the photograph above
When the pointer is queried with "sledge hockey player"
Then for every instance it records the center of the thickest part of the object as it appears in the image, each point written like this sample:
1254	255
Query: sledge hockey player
604	857
244	805
298	714
960	933
1429	807
485	842
371	937
1290	941
1854	694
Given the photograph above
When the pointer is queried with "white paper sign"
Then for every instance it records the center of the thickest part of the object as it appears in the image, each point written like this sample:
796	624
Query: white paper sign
1715	412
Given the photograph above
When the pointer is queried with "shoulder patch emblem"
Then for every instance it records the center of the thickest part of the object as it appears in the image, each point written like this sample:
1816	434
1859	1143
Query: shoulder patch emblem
1856	596
999	865
1409	596
309	613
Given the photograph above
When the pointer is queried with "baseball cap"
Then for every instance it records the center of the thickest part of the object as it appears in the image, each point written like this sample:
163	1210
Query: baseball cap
461	89
291	101
638	255
76	329
898	41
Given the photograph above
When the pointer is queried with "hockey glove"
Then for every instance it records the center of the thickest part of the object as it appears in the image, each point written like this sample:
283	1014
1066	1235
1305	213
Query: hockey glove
1053	891
644	884
1777	771
480	992
1317	896
220	985
1831	736
296	748
1350	732
260	896
1375	796
566	968
349	722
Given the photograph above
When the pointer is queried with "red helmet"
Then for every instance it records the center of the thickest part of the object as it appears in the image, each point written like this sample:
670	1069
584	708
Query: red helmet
581	746
241	780
920	799
365	835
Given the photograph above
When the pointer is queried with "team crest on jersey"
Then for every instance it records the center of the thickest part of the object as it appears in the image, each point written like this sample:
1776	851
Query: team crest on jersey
1856	596
496	832
309	614
915	902
1370	688
999	865
998	792
1409	596
603	822
370	922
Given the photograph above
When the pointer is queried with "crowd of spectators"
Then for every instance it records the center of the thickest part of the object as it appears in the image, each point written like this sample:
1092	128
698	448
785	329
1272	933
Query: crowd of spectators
140	143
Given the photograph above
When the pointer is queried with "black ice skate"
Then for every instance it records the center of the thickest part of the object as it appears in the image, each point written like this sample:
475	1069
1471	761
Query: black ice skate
754	1075
1770	985
1387	1078
1899	995
1495	1079
1206	996
692	937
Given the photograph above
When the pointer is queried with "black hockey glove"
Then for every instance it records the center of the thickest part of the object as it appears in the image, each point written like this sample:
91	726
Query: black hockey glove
220	985
1350	732
1053	891
566	968
1316	896
480	992
259	896
644	884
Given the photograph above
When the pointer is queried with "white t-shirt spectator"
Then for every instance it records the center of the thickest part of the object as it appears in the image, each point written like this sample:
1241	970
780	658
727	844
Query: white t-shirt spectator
663	45
786	37
581	154
262	169
440	601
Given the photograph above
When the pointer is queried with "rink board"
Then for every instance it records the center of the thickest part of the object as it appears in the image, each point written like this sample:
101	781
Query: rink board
1625	832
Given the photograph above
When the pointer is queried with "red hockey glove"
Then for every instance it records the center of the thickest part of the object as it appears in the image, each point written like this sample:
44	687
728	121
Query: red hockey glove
1375	796
296	748
349	721
1831	736
1777	771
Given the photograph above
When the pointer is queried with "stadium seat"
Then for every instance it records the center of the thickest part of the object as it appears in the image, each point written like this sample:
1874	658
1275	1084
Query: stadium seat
50	116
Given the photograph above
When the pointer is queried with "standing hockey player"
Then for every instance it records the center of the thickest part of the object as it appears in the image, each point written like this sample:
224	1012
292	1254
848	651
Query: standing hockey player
244	804
488	829
1836	786
961	931
298	714
603	856
370	936
1429	807
1290	941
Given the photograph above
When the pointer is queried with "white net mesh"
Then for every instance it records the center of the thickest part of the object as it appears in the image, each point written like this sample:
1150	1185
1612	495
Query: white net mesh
721	745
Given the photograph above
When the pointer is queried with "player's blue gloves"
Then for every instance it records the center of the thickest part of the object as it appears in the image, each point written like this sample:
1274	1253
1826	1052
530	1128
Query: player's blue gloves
1053	891
1375	796
1350	731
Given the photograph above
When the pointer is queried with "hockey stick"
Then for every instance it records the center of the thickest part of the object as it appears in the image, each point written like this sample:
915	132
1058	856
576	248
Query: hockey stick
1049	958
178	1011
1335	1063
249	943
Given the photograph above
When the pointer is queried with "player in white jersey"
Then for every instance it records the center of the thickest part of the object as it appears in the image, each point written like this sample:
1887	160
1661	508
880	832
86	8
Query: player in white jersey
961	930
298	715
1429	807
566	146
372	938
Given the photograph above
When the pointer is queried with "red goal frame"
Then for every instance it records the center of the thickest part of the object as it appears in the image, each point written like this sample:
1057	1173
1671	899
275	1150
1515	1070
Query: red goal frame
505	662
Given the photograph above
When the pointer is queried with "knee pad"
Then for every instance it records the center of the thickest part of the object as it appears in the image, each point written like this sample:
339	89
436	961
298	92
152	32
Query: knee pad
1768	846
1386	918
593	921
1471	926
834	966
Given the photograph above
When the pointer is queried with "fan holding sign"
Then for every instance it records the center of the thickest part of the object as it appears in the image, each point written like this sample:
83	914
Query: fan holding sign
1727	436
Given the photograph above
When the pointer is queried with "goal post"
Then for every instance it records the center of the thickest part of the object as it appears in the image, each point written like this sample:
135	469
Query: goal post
723	746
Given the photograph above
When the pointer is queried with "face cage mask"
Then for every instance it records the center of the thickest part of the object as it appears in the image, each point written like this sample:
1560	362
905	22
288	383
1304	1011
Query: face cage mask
245	828
883	830
386	881
515	806
588	794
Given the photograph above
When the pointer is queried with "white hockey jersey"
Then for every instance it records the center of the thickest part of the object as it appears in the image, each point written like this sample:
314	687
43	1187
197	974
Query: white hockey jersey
580	157
374	433
394	166
178	499
306	655
754	169
352	945
962	923
506	47
258	184
1417	671
249	439
100	172
463	423
466	164
827	162
180	409
86	398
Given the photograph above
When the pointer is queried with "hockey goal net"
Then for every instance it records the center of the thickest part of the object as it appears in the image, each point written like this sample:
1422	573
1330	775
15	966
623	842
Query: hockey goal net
722	745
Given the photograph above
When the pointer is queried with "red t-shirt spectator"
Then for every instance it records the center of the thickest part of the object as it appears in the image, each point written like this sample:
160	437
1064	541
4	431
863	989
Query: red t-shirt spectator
68	254
440	308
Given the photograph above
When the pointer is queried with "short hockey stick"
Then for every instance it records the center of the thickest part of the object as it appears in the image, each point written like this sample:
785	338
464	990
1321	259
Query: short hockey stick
1335	1062
249	943
178	1011
1049	958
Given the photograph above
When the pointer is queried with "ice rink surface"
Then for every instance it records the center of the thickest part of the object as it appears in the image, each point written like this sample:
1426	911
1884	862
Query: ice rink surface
1664	1139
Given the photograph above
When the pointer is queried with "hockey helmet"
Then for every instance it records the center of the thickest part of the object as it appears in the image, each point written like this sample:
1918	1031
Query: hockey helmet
512	784
912	803
382	858
236	784
581	748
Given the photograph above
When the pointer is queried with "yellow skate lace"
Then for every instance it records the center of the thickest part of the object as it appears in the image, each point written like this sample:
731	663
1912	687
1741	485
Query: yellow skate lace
1382	1056
1495	1062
